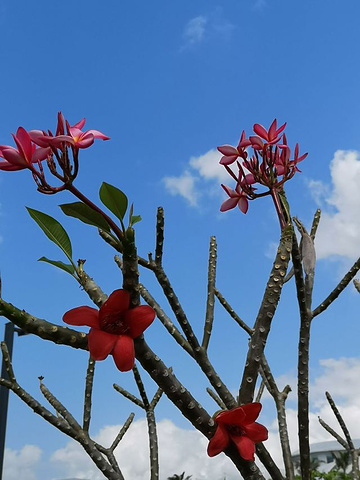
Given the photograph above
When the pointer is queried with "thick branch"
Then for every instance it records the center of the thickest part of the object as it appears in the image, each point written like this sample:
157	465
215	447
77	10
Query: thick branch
265	316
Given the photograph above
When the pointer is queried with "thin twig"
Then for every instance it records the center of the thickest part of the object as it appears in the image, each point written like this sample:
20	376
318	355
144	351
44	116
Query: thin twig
165	320
340	421
129	395
210	301
216	398
159	235
338	289
334	434
232	313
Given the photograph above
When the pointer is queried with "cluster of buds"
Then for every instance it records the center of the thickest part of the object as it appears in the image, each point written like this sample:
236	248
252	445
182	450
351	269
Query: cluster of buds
270	165
36	146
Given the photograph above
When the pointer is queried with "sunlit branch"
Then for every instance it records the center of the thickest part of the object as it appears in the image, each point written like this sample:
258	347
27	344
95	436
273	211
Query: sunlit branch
88	394
210	301
265	316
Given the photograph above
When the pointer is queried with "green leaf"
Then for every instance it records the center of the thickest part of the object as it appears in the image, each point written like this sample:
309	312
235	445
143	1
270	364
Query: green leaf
53	230
114	199
63	266
135	219
86	214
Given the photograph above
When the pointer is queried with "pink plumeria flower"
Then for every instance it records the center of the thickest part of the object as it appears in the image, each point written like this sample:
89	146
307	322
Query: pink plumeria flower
236	198
44	139
270	136
75	136
230	153
24	155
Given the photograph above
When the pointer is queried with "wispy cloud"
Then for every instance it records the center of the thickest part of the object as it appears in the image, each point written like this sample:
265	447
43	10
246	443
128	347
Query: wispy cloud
204	27
339	230
183	185
194	31
201	177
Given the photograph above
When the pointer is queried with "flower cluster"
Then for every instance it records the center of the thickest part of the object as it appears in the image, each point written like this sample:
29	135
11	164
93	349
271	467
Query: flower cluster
34	146
238	426
113	327
270	165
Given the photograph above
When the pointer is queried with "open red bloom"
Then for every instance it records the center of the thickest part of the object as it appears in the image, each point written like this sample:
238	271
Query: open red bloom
24	155
113	327
238	426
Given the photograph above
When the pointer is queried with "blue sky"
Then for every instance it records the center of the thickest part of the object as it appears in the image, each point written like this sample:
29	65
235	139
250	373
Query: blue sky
169	82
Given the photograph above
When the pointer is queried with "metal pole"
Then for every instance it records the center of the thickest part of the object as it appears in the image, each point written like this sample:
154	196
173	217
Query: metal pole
4	393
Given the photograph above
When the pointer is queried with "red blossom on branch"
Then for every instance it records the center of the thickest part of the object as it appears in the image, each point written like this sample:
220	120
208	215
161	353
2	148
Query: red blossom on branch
269	166
74	136
113	327
238	426
24	155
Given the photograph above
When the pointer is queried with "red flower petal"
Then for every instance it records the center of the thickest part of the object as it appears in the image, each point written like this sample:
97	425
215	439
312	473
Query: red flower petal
261	131
245	446
97	134
228	160
236	416
219	442
243	204
251	411
82	316
124	353
117	303
229	204
138	319
256	432
101	343
228	150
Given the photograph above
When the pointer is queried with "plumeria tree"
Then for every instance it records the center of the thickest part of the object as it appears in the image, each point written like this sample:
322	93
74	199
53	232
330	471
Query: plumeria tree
259	166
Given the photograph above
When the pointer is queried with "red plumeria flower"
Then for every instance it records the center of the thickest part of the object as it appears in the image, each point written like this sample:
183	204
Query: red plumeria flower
231	153
238	426
237	198
113	327
24	155
270	136
75	136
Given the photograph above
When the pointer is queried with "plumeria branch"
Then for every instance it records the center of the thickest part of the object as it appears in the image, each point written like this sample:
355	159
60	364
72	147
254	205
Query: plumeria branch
165	320
210	302
338	289
265	315
280	399
64	422
89	380
348	444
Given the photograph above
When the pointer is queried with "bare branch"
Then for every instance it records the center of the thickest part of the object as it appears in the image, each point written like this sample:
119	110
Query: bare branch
265	316
88	394
159	235
210	301
338	289
165	320
232	313
216	398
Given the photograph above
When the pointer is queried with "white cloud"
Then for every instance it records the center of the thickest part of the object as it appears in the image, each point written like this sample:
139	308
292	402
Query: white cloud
180	450
203	171
184	449
194	30
21	464
339	229
184	185
208	166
